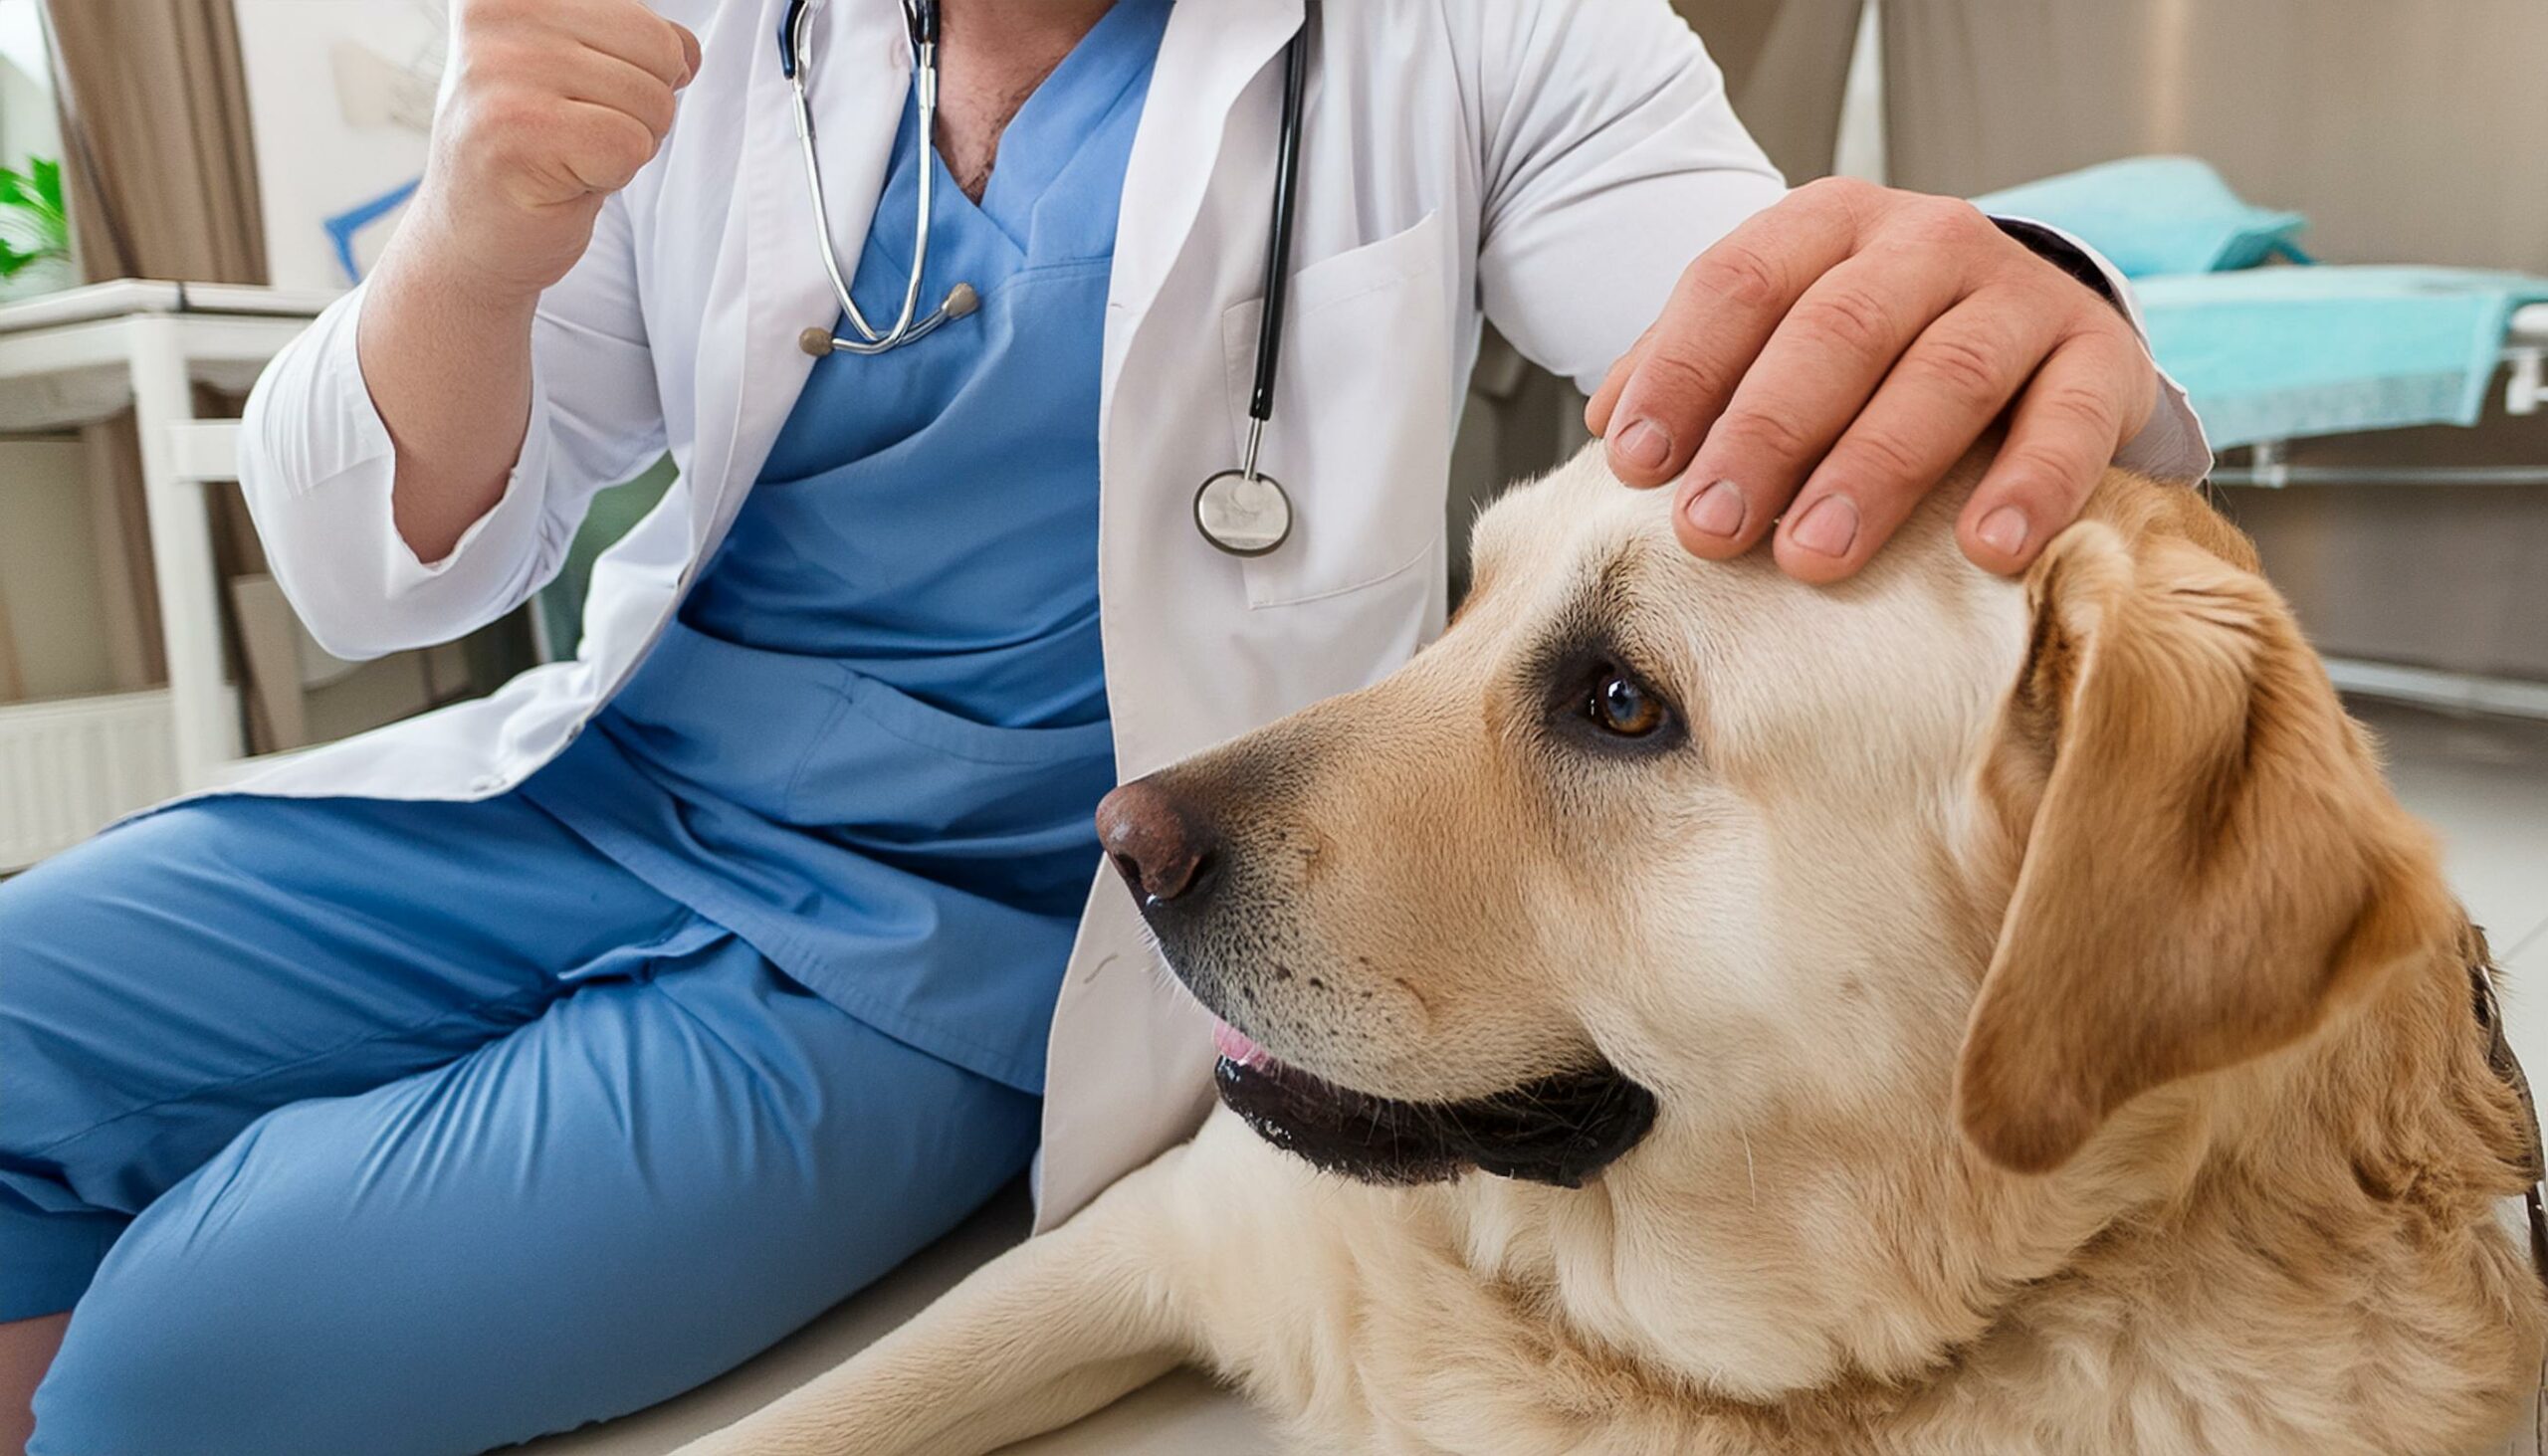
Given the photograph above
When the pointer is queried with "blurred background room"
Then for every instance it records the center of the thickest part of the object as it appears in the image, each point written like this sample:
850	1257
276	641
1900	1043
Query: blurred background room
2335	213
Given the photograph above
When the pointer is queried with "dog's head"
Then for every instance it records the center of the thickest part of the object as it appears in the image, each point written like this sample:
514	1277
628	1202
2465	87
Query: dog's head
1863	879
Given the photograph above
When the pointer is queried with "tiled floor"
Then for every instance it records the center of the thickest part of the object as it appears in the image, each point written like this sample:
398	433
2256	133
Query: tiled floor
2482	783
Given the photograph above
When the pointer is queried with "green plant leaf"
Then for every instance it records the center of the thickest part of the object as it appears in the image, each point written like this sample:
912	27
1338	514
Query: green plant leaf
35	195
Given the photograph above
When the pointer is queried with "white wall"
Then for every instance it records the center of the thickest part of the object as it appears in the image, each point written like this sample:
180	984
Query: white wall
28	124
340	94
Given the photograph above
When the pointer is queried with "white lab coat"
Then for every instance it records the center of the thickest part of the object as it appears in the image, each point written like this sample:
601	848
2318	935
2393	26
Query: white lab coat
1550	166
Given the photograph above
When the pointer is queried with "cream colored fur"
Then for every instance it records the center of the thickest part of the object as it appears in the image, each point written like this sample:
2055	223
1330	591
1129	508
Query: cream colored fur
2063	1041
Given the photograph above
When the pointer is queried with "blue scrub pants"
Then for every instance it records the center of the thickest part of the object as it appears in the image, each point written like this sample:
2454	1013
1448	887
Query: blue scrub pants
351	1127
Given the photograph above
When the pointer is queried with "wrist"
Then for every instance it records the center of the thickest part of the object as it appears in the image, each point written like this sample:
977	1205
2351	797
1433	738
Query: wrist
435	258
2062	253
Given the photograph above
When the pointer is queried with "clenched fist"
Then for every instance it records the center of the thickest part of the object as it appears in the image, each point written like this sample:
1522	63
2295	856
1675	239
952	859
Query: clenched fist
553	104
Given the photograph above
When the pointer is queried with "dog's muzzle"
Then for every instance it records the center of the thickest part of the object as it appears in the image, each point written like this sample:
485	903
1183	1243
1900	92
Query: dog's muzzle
1560	1129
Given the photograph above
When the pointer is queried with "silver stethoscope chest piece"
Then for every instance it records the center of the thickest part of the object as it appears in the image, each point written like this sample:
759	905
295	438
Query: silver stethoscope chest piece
1243	514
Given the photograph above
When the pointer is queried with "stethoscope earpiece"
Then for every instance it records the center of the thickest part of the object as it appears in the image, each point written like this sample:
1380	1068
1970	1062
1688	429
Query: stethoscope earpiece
960	301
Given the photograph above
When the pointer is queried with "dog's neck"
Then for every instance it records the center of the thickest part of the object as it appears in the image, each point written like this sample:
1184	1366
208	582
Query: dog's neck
2367	1158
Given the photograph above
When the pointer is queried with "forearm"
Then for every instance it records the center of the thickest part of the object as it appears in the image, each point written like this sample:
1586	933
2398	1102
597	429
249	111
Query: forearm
447	361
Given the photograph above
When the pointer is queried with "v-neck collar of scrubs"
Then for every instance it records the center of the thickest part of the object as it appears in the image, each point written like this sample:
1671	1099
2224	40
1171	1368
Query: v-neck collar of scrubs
1042	142
1029	215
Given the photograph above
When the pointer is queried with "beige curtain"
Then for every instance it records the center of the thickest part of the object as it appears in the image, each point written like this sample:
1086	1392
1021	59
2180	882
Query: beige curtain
156	109
163	185
2407	129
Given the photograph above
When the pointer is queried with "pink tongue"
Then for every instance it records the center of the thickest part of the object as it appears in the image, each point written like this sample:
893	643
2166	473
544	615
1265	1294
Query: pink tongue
1234	1044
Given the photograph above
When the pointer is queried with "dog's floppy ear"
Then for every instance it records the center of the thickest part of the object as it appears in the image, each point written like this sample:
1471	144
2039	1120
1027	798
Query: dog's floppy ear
2211	861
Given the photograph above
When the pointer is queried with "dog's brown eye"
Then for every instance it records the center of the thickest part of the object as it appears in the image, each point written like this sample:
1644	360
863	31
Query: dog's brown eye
1619	705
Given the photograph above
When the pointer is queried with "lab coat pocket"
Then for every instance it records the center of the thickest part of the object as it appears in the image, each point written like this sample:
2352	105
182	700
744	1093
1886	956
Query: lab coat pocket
1360	435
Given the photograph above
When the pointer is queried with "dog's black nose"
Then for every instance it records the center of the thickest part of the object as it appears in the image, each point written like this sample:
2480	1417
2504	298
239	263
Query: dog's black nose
1161	847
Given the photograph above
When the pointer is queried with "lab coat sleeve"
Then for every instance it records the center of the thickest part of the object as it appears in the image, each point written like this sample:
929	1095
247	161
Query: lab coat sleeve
1610	158
318	466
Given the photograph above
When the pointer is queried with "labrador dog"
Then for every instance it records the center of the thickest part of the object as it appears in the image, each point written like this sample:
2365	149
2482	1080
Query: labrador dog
1687	1011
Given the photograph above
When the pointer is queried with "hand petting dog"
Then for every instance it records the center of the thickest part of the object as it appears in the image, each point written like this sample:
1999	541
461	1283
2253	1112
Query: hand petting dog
1818	370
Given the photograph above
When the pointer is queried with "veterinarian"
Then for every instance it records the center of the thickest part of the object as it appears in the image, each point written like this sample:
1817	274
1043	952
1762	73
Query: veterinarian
533	1061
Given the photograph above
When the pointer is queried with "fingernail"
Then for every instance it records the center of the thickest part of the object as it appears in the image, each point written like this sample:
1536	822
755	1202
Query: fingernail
2004	530
1643	445
1829	528
1717	510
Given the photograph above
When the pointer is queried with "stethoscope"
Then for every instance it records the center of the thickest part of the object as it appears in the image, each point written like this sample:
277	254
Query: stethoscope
1244	511
793	60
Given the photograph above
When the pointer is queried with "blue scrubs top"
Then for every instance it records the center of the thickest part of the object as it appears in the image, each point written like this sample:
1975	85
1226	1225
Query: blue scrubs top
873	738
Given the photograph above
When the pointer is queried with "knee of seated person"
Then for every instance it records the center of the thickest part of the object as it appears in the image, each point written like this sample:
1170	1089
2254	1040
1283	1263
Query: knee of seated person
145	1373
146	1367
191	1339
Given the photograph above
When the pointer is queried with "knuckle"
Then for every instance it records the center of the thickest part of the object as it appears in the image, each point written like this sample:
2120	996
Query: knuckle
508	119
1963	367
492	62
1767	432
630	149
2098	323
1672	374
1740	275
1847	192
1952	214
671	59
658	108
1855	318
2079	408
500	23
2042	478
1945	222
1877	453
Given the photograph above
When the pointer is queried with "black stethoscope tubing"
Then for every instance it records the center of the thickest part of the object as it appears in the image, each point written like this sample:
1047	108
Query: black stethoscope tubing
1278	251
